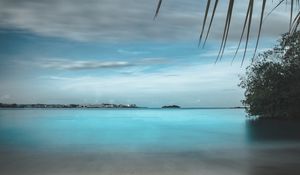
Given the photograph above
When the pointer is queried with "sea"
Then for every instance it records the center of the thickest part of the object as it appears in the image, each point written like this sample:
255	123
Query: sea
146	142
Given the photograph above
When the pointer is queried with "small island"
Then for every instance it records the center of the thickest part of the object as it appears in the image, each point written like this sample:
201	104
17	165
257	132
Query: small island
171	106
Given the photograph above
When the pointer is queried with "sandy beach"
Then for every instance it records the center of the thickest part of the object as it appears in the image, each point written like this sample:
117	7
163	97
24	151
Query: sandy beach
252	161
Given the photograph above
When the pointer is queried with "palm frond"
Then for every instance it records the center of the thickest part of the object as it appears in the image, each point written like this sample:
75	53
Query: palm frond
211	21
260	27
251	4
226	30
278	4
294	23
291	16
158	8
204	21
243	31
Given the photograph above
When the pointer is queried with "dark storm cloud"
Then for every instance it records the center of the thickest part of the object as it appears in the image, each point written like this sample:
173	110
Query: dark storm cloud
120	20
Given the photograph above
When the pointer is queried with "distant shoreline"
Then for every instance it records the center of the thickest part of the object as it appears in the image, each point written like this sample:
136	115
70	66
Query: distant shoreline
138	108
66	106
99	106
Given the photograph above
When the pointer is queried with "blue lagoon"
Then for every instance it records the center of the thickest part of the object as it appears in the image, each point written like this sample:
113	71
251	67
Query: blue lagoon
143	141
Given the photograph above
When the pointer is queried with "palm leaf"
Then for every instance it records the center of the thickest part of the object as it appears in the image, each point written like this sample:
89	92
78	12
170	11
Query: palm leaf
248	30
294	23
291	16
211	21
158	8
204	21
243	31
226	30
260	27
278	4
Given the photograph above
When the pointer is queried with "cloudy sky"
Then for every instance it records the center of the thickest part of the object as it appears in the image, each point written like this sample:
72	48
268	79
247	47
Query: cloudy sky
112	51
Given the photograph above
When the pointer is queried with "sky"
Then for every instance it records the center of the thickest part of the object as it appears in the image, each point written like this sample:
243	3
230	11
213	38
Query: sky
112	51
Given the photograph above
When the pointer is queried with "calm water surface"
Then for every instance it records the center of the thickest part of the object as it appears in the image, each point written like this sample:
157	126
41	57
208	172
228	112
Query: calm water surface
122	130
145	142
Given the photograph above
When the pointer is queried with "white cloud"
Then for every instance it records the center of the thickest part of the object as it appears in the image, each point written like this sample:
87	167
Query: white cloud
231	50
5	97
119	20
68	64
130	52
89	64
188	85
202	81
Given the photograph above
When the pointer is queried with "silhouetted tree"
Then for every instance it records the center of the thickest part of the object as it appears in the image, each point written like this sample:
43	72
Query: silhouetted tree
272	83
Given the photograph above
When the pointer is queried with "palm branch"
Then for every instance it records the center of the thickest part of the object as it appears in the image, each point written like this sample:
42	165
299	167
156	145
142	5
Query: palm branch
210	12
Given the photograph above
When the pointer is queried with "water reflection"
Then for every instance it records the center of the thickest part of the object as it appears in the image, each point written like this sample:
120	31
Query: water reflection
265	130
274	147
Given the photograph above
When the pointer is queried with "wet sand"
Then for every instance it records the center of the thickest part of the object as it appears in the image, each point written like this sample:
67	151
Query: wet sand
251	161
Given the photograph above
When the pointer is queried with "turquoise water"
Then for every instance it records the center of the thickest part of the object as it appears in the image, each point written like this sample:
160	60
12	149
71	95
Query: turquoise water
122	130
146	142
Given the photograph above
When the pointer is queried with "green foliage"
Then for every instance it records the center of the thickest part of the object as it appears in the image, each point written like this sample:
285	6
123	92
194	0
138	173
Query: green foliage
272	83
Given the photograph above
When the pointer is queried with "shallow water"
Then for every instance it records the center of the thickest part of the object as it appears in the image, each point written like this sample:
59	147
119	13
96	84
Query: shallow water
145	141
122	130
